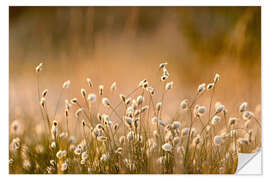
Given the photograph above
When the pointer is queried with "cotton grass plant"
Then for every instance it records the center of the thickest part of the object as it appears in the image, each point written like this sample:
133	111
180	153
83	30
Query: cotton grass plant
131	136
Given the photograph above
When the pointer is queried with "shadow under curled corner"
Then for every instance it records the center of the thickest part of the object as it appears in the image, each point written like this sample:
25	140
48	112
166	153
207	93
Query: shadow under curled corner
249	163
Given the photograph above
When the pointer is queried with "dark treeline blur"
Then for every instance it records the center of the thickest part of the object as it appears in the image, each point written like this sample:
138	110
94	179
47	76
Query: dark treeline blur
210	31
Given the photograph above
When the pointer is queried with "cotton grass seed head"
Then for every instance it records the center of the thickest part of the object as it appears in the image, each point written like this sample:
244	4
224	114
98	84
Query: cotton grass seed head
39	67
164	78
144	108
44	93
216	119
42	102
201	88
122	139
122	97
197	140
64	166
91	97
154	119
158	106
105	101
100	90
176	125
53	144
150	90
163	65
140	100
219	107
243	141
102	138
113	87
201	110
142	82
169	85
216	78
78	112
218	140
176	140
128	100
184	104
66	84
89	82
185	131
247	115
130	136
83	93
165	72
243	107
74	101
210	86
232	121
167	147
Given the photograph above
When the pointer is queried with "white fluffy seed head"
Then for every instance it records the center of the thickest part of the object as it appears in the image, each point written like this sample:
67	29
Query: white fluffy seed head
201	88
197	140
44	93
216	78
122	97
53	144
130	136
158	106
74	101
154	119
232	120
163	65
219	107
83	93
101	90
122	139
243	107
91	97
210	86
128	100
201	110
185	131
140	100
78	112
39	67
144	108
216	119
184	104
113	87
89	82
105	101
102	138
176	140
164	78
218	140
141	83
167	147
176	125
64	166
165	72
243	141
169	85
150	90
247	115
66	84
42	102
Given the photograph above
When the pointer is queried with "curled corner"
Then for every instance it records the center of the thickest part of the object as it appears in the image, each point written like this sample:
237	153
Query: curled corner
249	163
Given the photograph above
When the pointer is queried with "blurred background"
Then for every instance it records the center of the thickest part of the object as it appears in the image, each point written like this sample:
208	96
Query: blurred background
126	45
